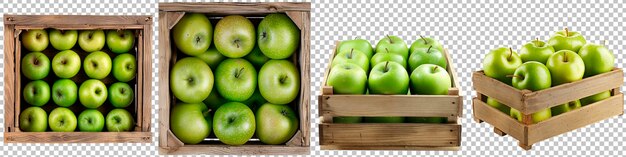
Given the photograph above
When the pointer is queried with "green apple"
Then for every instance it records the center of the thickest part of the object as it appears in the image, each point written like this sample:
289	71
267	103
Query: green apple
430	55
214	100
352	56
92	93
120	41
425	42
430	79
193	34
393	44
597	58
119	120
256	57
212	57
595	98
63	39
347	120
567	40
66	64
236	79
234	123
279	81
347	78
388	78
426	120
500	63
191	123
62	119
64	92
35	65
191	80
124	67
255	101
234	36
33	119
91	40
537	117
97	65
34	40
383	119
536	50
385	56
572	105
90	120
565	66
278	36
37	93
358	44
494	103
533	76
275	124
121	95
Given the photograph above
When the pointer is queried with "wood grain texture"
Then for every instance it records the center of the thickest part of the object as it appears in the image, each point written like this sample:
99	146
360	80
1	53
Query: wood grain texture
78	137
409	148
426	135
147	78
221	149
164	79
236	8
390	105
499	120
9	78
78	20
495	89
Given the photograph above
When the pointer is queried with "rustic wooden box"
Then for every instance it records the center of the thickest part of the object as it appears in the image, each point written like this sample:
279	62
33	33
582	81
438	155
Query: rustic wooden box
400	136
528	102
170	13
15	24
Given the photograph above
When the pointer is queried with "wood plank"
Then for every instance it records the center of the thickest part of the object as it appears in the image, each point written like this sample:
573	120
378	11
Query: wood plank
18	80
77	27
342	147
564	93
173	18
434	135
9	78
390	105
236	8
502	92
305	78
139	99
164	82
498	119
147	78
576	119
221	149
77	137
85	20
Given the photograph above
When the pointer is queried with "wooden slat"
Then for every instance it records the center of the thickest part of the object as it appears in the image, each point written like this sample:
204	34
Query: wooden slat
222	149
564	93
78	27
498	119
576	119
411	148
305	71
172	19
502	92
390	105
77	137
9	78
18	81
147	78
61	20
433	135
235	8
140	93
164	82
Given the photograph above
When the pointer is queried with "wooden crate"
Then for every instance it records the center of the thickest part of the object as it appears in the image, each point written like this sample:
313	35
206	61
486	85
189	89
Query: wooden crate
400	136
16	24
170	13
528	102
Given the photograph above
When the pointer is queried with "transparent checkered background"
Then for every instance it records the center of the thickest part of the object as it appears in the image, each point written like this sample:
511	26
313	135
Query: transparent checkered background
468	29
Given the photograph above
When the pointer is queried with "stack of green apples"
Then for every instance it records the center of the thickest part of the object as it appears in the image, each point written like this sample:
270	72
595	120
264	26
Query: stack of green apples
234	79
565	58
66	65
391	63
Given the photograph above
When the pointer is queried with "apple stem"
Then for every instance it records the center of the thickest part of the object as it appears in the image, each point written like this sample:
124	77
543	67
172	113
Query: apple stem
510	53
435	68
38	36
512	76
237	43
206	113
239	73
386	67
351	51
425	42
283	79
603	42
90	34
537	40
387	50
264	34
390	41
566	32
564	56
36	61
62	31
428	51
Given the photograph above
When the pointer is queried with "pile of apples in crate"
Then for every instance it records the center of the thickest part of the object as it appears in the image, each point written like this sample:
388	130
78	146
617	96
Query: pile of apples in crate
395	69
65	65
566	57
235	80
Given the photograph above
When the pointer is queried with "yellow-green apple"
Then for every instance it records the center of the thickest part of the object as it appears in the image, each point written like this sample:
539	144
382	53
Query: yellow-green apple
119	120
500	63
191	123
37	93
347	78
279	81
34	40
358	44
567	40
91	40
425	42
430	55
62	119
565	66
120	95
63	39
66	64
35	66
97	65
120	41
256	57
536	50
191	80
278	37
533	76
383	119
385	56
595	98
236	79
234	123
388	78
597	58
572	105
255	101
214	100
494	103
430	79
92	93
275	124
90	120
33	119
212	57
193	34
536	117
393	44
64	92
234	36
352	56
124	67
